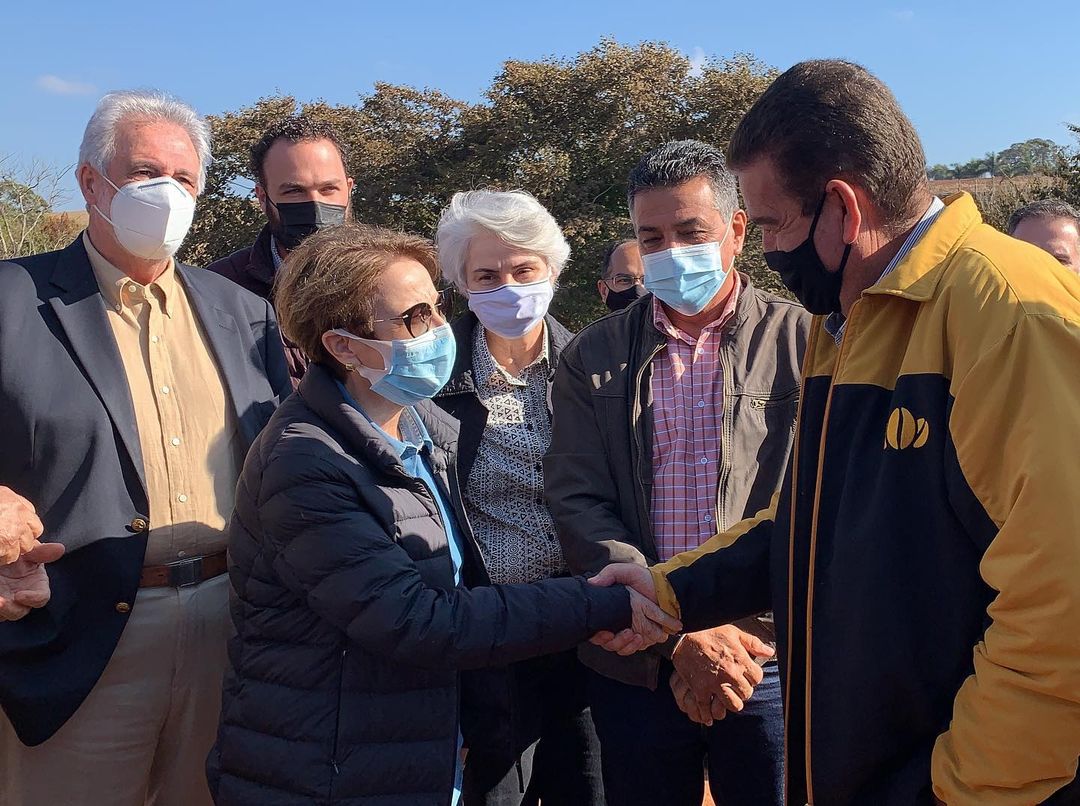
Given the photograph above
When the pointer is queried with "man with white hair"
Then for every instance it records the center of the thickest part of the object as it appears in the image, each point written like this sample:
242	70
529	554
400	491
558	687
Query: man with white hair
132	386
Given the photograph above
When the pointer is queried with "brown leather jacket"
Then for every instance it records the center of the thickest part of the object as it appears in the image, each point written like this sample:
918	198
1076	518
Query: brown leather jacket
253	268
598	472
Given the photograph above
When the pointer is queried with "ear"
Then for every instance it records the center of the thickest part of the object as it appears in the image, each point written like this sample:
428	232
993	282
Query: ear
853	211
260	194
738	231
339	347
602	287
91	184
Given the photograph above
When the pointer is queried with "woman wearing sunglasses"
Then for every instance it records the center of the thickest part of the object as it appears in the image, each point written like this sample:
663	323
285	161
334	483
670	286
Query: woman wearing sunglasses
503	251
359	589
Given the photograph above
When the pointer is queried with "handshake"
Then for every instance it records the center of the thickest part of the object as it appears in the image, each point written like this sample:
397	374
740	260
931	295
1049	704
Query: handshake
716	670
23	582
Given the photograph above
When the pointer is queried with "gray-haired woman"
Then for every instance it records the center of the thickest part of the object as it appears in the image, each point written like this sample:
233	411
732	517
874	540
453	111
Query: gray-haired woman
504	251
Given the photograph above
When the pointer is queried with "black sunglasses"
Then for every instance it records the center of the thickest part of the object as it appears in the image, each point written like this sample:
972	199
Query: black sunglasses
417	319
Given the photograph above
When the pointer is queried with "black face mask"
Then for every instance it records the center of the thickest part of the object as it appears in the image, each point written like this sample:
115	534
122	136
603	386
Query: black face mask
297	220
802	271
617	300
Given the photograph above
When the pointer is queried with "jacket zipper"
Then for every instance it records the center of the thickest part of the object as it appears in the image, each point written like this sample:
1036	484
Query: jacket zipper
725	443
813	544
337	723
636	414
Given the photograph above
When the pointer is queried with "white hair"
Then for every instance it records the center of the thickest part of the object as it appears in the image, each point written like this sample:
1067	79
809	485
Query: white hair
99	140
514	216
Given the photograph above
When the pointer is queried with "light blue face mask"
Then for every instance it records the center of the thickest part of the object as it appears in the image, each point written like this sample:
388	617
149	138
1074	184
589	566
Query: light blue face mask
686	278
416	369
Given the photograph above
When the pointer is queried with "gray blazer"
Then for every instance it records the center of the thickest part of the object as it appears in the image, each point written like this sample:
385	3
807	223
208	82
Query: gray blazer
71	446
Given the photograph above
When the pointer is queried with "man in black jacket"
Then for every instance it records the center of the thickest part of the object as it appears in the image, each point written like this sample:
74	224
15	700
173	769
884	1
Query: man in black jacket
303	185
131	389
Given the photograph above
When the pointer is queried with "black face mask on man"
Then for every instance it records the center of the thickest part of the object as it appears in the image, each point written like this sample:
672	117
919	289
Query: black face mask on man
617	300
297	220
805	276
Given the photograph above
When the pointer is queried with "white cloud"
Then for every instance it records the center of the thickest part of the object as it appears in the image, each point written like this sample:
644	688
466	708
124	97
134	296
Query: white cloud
61	86
697	62
902	14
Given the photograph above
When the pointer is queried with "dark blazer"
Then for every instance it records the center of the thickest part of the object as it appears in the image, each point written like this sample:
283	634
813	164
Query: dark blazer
346	682
253	268
71	446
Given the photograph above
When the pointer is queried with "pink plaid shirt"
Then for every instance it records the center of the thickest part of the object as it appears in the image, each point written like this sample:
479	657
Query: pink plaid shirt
688	407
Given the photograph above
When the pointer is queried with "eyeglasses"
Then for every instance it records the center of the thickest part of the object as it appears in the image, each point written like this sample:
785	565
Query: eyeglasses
417	319
621	282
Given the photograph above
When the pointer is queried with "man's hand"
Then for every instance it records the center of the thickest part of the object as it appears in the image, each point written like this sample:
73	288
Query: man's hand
718	668
24	584
651	625
20	526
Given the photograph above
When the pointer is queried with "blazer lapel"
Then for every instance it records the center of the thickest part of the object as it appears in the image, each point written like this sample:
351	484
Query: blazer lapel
226	346
80	308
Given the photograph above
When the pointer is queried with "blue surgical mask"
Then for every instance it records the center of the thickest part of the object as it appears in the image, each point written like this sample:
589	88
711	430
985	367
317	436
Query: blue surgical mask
416	369
686	278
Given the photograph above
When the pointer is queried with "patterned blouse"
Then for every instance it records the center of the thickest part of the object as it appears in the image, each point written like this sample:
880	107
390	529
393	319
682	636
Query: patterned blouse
504	494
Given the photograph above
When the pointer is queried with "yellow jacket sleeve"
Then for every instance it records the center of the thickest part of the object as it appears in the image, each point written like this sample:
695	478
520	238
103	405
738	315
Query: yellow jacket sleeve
1014	736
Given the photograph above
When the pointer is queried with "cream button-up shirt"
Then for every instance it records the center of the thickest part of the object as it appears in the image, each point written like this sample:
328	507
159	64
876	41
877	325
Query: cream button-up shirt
187	426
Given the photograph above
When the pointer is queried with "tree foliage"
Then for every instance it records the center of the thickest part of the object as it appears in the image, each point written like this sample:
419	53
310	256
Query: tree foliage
28	221
566	130
1035	156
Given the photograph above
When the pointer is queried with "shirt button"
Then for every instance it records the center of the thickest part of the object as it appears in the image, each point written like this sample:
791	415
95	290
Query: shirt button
155	339
707	519
701	404
181	554
165	390
175	441
181	498
123	608
704	460
132	288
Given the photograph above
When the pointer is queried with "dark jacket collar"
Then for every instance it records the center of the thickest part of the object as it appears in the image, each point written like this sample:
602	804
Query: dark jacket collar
319	390
260	266
464	327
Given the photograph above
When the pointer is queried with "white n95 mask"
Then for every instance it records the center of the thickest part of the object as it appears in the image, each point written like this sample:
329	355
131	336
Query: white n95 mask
151	217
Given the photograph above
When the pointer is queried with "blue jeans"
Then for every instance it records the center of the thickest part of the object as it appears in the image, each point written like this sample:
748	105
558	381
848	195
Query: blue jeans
653	755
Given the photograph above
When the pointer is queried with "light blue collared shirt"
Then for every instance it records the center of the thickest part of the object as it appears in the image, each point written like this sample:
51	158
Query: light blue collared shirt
414	449
835	322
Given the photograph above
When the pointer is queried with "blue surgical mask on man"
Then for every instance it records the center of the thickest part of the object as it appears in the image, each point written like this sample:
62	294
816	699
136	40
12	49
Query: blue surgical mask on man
415	369
686	278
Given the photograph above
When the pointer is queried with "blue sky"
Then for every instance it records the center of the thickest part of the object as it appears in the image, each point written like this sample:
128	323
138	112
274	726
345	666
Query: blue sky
973	76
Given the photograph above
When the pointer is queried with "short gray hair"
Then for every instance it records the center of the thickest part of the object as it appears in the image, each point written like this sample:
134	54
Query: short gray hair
679	161
1044	208
99	140
514	216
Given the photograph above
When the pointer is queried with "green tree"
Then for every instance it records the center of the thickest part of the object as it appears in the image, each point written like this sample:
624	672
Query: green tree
566	130
28	221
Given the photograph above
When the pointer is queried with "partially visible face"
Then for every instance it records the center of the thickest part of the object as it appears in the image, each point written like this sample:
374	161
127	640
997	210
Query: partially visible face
310	170
784	226
1058	236
624	271
145	149
492	263
403	286
684	215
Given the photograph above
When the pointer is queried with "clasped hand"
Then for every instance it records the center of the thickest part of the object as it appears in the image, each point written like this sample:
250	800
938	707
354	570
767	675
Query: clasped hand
651	625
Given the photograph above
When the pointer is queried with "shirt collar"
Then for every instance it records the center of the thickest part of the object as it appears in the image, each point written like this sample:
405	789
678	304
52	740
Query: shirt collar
836	322
119	290
662	321
487	369
274	255
414	435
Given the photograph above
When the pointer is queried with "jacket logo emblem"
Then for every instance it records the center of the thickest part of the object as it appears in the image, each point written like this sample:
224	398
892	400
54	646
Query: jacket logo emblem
905	430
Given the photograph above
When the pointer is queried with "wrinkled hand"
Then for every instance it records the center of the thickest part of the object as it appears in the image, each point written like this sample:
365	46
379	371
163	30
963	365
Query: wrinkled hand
24	584
651	625
718	668
20	526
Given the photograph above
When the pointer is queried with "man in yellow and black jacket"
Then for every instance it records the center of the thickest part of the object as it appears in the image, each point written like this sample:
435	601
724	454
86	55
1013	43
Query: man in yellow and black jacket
923	554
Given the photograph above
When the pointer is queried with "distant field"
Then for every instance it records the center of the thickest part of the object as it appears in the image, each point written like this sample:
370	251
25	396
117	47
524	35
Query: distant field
944	187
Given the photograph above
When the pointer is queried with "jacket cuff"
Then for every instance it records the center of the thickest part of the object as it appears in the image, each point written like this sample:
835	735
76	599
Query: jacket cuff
665	594
609	608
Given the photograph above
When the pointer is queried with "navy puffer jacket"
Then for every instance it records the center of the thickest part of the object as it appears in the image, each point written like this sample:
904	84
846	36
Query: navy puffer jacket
345	670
